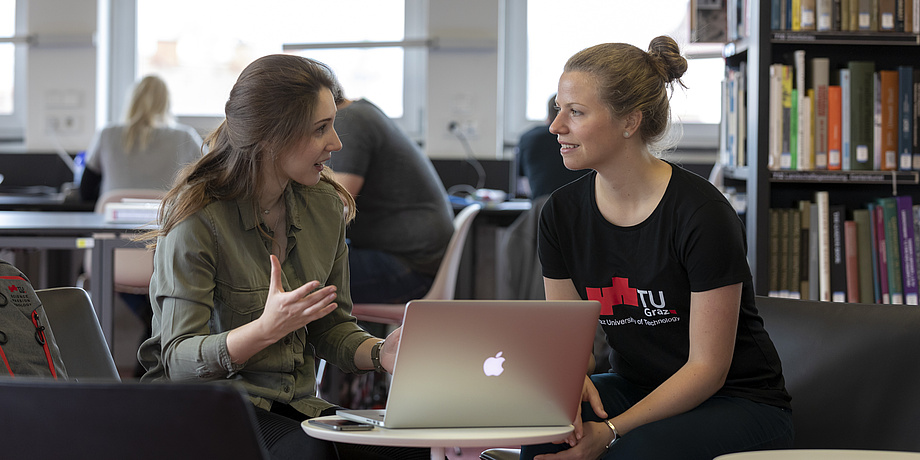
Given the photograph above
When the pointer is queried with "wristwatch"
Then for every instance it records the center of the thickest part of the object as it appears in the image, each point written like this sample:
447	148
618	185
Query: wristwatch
616	436
375	356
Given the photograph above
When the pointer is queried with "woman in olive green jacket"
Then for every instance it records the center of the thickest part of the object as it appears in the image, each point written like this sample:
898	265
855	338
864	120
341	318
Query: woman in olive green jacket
250	282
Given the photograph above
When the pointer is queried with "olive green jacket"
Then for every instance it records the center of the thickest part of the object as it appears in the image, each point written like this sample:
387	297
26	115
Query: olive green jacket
211	275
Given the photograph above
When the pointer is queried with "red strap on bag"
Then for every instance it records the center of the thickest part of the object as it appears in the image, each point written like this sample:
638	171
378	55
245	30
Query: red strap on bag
7	363
40	337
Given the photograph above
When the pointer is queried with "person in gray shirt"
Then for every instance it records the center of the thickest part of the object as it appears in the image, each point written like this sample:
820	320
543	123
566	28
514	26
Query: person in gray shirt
404	218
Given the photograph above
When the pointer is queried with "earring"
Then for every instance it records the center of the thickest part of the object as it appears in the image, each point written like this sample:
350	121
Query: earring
626	134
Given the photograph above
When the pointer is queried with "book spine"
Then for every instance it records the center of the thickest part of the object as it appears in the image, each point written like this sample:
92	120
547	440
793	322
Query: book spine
788	119
854	15
862	114
845	143
908	251
803	124
838	254
864	248
882	255
834	131
851	251
889	119
775	222
915	142
864	18
820	80
776	16
905	117
814	284
795	254
776	117
822	199
804	248
806	129
892	250
886	15
824	18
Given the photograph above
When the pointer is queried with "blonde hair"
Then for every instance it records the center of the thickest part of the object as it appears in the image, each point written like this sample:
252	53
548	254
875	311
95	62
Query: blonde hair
269	109
149	108
629	80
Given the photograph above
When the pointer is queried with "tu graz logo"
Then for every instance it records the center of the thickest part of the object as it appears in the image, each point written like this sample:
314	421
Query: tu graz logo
620	293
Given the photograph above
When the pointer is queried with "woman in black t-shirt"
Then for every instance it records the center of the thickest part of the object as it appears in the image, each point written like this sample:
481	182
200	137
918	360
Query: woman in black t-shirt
695	375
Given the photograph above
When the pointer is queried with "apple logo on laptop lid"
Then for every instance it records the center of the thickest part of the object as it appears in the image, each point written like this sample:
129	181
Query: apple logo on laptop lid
493	365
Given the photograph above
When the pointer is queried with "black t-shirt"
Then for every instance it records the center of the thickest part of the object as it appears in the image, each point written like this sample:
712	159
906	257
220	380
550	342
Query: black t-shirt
643	276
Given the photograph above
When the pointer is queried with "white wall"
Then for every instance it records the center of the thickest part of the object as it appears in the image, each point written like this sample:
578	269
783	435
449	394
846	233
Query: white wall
463	83
61	72
462	78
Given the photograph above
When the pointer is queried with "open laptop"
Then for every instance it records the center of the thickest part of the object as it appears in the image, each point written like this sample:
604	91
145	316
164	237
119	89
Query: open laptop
484	363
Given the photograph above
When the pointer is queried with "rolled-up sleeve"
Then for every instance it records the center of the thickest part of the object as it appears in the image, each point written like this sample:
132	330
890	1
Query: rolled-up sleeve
191	349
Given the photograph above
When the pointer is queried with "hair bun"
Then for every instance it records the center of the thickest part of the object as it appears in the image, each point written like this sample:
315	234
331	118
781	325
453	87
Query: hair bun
664	51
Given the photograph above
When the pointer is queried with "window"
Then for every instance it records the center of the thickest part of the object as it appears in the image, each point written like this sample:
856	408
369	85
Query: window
202	51
551	34
7	59
11	59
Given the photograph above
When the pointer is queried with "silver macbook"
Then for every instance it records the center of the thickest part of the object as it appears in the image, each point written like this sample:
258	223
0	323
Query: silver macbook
482	363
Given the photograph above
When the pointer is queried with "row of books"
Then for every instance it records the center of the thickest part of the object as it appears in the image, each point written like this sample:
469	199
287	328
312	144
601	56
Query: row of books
822	251
845	15
853	118
732	130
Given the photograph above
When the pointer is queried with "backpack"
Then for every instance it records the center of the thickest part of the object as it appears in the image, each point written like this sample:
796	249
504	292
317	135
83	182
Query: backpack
27	345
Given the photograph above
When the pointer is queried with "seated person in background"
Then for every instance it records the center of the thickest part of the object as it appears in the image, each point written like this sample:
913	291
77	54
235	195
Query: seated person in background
404	220
250	282
538	158
400	233
695	375
144	152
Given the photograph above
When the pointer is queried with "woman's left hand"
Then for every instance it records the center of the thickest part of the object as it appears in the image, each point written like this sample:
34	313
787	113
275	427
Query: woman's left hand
592	444
388	352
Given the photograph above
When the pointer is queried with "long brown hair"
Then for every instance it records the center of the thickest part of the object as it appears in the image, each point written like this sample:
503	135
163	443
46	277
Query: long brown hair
269	110
629	79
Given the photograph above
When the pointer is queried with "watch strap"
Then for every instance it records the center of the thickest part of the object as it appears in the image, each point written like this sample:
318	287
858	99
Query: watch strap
375	356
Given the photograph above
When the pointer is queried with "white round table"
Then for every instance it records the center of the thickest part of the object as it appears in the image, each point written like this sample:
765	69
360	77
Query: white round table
438	439
821	454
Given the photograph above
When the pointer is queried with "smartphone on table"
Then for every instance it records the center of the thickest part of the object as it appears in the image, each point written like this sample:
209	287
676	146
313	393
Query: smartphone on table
341	424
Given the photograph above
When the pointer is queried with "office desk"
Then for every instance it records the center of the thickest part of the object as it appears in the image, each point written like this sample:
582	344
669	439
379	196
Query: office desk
74	230
42	202
438	439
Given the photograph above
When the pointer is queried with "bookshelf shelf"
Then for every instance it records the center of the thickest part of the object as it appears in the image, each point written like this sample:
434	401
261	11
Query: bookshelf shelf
846	177
845	38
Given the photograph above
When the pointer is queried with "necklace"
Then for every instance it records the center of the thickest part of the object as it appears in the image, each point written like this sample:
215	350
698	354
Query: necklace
268	210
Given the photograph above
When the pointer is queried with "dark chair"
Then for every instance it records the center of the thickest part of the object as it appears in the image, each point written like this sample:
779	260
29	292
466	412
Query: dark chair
852	369
54	419
84	351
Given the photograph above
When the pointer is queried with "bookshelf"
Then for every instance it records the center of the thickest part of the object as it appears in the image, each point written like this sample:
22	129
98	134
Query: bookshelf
766	188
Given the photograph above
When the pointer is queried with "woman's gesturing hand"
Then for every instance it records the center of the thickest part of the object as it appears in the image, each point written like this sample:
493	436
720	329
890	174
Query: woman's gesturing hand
287	311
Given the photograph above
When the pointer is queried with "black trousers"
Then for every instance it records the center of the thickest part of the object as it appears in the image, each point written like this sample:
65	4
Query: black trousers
282	436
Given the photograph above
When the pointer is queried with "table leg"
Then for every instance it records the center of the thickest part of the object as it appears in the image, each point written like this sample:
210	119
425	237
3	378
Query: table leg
101	287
